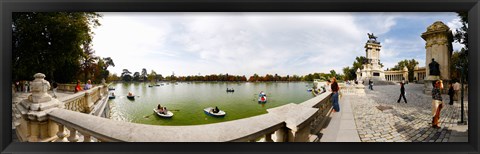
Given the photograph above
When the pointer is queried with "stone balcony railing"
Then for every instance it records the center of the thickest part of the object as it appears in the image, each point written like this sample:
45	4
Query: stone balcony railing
71	87
353	89
84	101
287	123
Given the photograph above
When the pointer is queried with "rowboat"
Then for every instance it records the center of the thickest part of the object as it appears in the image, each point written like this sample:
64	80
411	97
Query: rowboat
131	97
208	111
262	99
168	115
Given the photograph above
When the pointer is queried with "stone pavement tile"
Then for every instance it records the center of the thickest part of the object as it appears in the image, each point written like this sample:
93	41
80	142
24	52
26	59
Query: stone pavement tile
410	120
347	124
348	135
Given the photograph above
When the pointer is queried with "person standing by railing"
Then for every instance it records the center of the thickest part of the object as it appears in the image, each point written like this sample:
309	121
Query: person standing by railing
335	90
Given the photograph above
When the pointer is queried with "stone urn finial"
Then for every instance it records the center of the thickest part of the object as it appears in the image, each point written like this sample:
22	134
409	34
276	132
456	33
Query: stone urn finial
39	90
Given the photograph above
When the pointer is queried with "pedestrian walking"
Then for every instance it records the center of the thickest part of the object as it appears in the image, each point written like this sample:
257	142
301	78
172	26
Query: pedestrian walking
456	89
370	84
437	102
402	93
17	85
335	90
451	92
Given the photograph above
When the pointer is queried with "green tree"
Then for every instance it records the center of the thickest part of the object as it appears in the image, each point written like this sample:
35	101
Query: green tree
461	36
104	63
144	74
50	42
410	64
152	76
88	61
126	75
136	76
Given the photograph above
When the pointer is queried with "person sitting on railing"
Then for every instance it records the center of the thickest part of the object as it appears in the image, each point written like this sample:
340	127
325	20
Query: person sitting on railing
88	85
78	88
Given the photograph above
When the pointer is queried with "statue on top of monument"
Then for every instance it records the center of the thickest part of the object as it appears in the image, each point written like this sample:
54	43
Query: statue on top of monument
434	68
372	37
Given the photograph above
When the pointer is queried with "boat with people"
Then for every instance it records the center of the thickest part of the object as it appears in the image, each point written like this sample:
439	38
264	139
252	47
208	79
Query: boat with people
130	96
214	112
168	114
111	88
230	90
262	97
111	96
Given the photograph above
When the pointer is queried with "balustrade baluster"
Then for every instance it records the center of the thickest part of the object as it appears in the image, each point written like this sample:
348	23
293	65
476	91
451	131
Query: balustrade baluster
268	137
73	135
87	138
61	133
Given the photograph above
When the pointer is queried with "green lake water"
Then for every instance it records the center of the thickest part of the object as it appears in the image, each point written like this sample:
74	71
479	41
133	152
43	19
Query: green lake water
187	100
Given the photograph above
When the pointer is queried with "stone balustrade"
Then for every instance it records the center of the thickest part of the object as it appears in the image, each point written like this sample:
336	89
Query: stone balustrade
71	87
83	101
66	87
287	123
353	89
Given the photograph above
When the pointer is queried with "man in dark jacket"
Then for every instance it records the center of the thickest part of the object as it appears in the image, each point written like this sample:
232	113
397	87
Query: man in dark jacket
451	92
402	93
370	84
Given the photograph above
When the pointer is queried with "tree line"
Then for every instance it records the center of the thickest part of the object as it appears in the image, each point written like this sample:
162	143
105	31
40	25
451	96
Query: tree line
142	76
57	44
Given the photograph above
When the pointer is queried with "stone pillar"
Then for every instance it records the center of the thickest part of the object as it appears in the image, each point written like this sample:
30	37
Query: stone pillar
438	46
34	110
297	123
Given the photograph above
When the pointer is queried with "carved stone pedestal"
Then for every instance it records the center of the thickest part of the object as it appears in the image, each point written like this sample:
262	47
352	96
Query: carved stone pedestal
34	125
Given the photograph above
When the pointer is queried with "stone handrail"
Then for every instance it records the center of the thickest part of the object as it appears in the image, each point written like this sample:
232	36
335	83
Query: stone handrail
287	123
84	100
353	89
71	87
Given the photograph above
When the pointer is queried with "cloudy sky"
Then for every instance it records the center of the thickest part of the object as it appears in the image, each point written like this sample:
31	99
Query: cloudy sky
262	43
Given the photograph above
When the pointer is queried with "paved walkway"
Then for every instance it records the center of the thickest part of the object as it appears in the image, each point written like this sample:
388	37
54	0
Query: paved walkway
377	117
342	127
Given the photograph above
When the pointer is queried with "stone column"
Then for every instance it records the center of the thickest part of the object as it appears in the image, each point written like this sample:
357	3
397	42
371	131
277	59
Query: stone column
36	127
438	46
297	123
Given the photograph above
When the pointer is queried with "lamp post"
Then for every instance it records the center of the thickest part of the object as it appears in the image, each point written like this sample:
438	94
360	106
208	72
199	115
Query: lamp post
462	80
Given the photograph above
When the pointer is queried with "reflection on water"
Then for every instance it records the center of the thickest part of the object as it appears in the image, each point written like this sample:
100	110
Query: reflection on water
187	100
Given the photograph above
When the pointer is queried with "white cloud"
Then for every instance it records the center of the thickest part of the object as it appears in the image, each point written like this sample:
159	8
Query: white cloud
243	43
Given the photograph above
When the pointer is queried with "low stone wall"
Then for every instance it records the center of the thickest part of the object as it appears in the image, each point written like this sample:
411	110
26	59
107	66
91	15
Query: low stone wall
287	123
